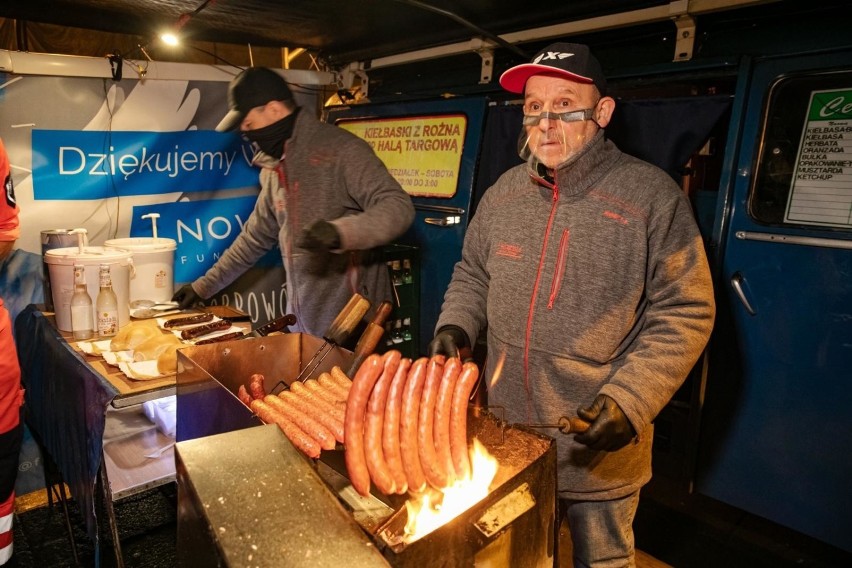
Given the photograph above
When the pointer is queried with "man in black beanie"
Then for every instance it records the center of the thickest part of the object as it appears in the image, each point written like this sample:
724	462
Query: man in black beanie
326	199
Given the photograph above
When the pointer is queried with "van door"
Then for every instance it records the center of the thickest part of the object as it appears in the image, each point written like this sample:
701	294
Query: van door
776	434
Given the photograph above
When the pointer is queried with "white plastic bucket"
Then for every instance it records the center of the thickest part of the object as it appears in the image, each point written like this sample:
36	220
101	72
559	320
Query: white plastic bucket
154	262
61	263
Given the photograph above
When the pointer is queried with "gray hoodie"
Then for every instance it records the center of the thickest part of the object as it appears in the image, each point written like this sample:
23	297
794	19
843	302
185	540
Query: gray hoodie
327	173
595	284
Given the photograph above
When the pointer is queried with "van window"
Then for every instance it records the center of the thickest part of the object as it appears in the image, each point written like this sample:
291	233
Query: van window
804	168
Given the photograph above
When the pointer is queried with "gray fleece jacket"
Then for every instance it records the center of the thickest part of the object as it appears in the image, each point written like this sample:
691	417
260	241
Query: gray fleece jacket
595	284
326	173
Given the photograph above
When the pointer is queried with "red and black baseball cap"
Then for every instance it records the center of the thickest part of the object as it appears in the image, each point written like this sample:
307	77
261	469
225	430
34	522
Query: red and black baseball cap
573	61
252	88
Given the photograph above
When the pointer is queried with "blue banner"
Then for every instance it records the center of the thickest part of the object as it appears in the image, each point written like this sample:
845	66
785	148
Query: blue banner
202	229
75	164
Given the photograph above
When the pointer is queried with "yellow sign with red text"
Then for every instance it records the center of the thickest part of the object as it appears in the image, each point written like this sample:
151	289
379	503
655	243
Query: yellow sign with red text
423	153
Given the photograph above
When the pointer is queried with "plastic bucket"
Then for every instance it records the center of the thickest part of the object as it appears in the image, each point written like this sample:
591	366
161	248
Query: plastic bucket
154	262
53	239
61	263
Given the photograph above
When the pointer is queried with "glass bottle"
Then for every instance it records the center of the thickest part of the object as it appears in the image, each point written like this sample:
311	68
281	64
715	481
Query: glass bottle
82	313
396	272
396	335
406	329
106	305
407	276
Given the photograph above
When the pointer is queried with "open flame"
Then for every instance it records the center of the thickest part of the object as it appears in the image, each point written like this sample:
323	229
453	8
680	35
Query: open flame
425	516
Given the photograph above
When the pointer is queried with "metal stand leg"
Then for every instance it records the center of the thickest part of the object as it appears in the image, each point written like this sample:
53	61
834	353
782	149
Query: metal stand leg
113	526
54	483
63	500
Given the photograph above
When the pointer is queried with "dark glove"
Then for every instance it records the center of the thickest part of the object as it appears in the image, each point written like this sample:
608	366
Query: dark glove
449	341
609	428
186	297
321	236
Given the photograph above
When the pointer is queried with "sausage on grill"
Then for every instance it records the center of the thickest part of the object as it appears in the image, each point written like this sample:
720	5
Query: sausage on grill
443	411
300	389
408	425
300	439
257	388
333	387
307	424
377	465
458	419
315	412
435	471
390	427
319	390
341	378
356	407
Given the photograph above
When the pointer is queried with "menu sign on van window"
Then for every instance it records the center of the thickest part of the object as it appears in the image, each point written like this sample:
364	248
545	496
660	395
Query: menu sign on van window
423	153
821	192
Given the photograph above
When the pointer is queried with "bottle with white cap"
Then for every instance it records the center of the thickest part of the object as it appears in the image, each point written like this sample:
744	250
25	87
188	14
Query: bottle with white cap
82	318
106	305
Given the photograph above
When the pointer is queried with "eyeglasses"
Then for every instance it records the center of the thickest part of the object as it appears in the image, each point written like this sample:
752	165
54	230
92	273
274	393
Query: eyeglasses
571	116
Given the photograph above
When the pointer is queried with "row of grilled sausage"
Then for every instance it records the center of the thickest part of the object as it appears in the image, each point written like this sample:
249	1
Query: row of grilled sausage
406	423
310	413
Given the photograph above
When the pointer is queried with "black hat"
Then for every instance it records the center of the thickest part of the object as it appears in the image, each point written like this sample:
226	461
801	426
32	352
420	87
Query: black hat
252	88
569	60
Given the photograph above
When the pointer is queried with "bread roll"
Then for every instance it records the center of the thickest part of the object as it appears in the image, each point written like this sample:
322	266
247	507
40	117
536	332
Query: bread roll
131	335
152	348
167	360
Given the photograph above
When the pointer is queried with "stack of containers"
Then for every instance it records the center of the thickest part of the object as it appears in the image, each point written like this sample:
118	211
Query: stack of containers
61	261
154	264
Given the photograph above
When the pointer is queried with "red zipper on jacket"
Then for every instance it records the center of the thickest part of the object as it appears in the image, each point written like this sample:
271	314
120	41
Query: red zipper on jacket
559	273
536	288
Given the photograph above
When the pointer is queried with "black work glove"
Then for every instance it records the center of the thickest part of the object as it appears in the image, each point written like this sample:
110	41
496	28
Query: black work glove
448	341
186	297
321	236
609	428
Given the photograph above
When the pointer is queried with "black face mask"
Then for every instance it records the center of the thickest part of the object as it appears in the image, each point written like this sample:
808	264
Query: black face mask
270	139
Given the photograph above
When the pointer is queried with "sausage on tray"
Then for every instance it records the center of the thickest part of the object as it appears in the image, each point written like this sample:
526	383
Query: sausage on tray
434	469
458	419
244	396
257	386
204	329
221	338
341	378
319	390
331	386
443	409
376	463
308	425
302	441
300	389
356	407
188	320
334	426
408	426
390	427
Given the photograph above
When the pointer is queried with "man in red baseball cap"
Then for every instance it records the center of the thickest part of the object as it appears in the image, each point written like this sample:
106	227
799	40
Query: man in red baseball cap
586	270
11	395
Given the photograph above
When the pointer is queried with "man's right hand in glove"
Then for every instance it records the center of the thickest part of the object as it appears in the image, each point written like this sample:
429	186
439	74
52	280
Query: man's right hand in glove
186	297
609	428
449	341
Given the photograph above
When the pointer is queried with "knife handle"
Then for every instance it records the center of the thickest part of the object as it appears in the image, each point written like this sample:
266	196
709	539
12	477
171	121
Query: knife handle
348	319
275	325
370	337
